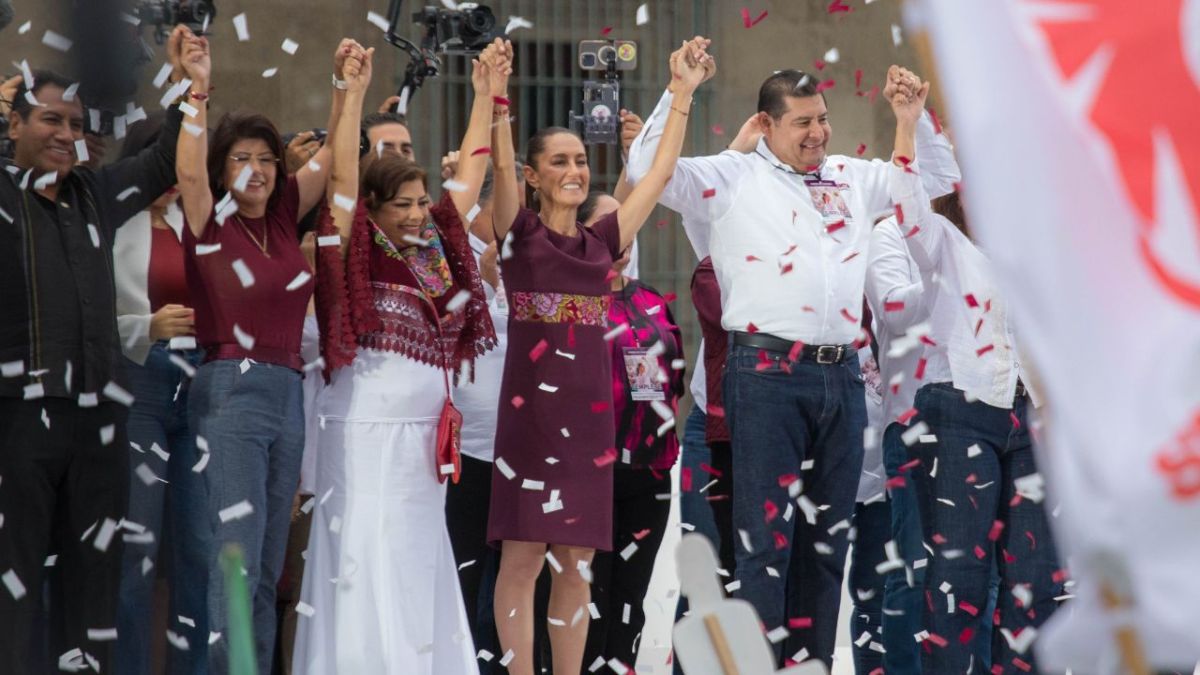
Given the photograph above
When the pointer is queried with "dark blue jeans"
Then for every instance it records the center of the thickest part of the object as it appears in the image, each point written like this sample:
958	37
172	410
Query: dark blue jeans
973	518
253	423
158	423
791	568
694	508
873	529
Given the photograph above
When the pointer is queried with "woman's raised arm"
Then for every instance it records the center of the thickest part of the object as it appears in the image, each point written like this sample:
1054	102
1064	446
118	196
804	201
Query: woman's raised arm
191	151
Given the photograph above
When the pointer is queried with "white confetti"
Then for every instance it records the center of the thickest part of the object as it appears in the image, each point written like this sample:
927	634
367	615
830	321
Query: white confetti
554	562
177	641
914	432
128	192
974	450
473	213
102	634
301	279
94	234
628	551
454	185
46	180
530	484
779	634
183	342
238	510
55	41
70	92
192	129
119	123
329	240
458	301
144	472
113	391
25	28
305	609
269	72
105	535
896	38
290	46
348	204
378	21
548	388
485	655
239	24
12	368
34	391
507	658
244	275
191	111
161	78
14	585
503	467
243	338
832	56
643	14
515	22
199	467
225	208
107	433
205	249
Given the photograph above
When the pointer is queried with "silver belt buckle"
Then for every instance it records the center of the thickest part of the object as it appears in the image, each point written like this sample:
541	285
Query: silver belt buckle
829	354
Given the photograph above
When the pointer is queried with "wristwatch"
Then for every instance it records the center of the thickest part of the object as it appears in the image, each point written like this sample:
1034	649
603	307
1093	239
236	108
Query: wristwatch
339	84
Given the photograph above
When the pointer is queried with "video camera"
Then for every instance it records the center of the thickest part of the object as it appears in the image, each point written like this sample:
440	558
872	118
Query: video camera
466	30
600	120
164	15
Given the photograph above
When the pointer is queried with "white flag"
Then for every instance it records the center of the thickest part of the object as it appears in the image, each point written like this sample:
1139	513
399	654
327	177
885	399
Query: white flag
1078	125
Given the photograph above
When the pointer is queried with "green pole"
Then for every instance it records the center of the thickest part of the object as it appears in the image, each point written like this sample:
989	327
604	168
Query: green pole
240	633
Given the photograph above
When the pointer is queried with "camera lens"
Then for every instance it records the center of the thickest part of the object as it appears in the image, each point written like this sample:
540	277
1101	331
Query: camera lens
480	20
608	55
588	61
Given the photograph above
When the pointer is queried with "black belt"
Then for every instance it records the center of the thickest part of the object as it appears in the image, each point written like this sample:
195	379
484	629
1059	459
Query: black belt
823	354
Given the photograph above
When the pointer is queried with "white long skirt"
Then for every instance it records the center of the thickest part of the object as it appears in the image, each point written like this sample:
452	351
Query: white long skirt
380	576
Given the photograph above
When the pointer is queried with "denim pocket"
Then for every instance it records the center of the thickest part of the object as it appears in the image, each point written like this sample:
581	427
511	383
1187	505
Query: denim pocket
762	362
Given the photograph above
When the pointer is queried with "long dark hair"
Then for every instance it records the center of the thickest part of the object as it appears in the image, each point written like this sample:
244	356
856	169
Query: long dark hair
949	206
233	127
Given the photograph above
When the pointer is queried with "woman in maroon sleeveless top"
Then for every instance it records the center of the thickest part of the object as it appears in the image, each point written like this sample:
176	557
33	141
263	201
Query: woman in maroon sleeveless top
250	286
552	482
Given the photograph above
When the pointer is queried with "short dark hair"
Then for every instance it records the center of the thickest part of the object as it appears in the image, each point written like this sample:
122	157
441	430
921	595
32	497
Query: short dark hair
384	175
233	127
773	94
21	106
377	118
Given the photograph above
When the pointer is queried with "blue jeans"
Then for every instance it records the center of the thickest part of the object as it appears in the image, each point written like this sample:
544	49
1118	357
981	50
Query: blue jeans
254	425
158	420
777	421
694	508
987	517
873	528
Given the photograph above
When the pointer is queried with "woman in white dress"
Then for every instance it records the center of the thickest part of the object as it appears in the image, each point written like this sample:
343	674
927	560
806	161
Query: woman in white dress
402	309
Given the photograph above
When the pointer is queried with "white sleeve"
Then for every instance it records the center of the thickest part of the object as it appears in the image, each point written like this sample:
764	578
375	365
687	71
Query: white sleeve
701	187
894	295
924	237
939	170
134	330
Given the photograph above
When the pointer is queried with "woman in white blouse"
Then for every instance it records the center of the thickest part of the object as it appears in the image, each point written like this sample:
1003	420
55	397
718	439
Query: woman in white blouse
155	322
977	483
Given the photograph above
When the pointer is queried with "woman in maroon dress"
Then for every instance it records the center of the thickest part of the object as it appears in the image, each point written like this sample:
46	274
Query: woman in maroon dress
552	482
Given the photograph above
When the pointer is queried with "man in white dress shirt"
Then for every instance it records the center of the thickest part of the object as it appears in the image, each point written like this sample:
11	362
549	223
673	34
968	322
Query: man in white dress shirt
791	267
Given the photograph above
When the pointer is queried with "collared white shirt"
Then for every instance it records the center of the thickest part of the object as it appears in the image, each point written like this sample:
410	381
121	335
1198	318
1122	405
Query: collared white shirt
479	401
783	268
897	300
974	348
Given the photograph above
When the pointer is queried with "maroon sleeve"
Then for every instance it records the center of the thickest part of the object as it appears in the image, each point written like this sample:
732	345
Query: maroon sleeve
609	229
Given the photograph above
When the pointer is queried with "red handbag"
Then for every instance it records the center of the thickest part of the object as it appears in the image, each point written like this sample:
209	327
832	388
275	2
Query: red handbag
449	439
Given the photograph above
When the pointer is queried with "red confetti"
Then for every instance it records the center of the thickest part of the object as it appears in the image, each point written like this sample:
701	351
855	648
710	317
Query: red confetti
858	73
894	483
706	468
862	148
896	306
827	84
808	308
819	64
839	6
1018	663
751	328
781	541
800	622
966	635
517	401
538	349
787	479
848	316
606	30
793	247
770	510
978	325
926	340
900	215
608	457
641	534
983	350
979	552
907	415
571	335
794	352
915	229
481	151
1015	422
1059	576
753	258
685	478
714	410
709	193
600	406
834	227
938	538
937	640
968	608
718	130
669	298
1032	539
612	274
971	301
997	528
785	269
661	223
873	94
747	21
937	123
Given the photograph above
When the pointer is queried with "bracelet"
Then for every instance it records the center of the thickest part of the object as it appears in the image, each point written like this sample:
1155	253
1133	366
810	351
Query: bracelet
339	84
198	95
499	111
681	112
500	101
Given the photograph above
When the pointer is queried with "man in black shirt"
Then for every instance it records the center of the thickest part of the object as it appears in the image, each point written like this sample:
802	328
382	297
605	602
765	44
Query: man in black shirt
63	452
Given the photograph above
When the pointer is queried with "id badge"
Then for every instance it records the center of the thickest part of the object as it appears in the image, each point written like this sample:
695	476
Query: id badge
828	200
641	370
